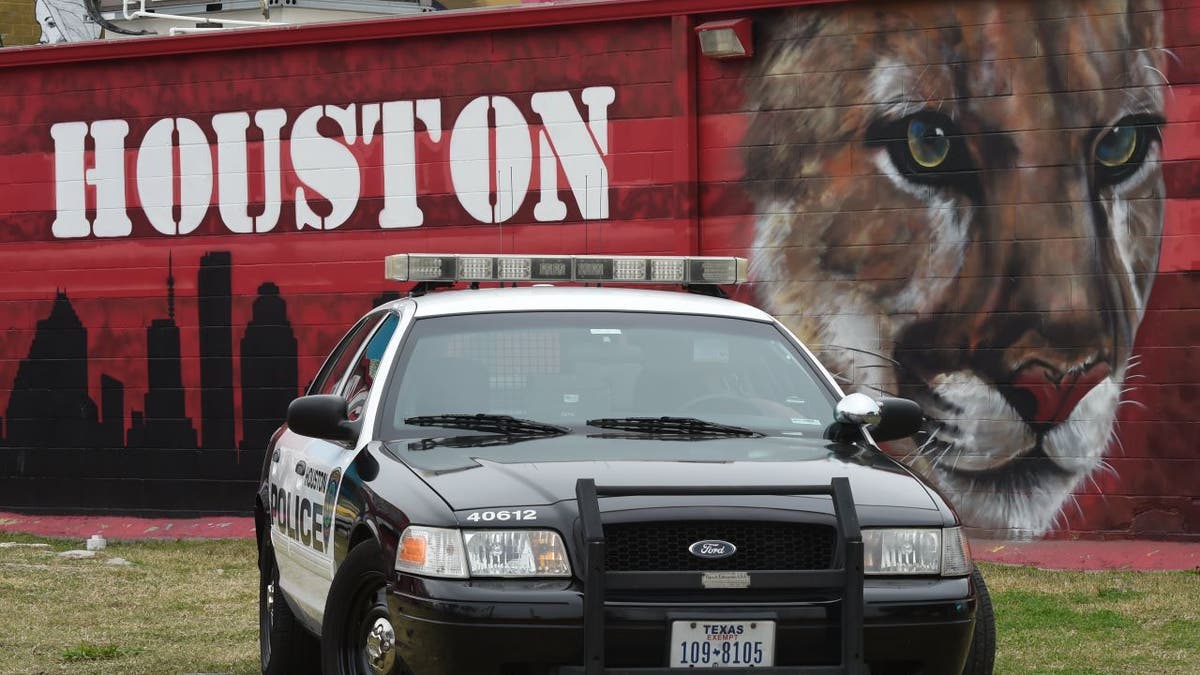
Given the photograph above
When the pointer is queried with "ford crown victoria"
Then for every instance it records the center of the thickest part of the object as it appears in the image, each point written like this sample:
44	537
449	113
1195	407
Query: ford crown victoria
556	479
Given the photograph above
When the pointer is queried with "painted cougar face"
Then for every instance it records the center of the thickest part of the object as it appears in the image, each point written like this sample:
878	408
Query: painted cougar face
961	203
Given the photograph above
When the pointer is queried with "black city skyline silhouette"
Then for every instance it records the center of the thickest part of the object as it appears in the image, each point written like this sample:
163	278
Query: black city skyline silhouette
60	450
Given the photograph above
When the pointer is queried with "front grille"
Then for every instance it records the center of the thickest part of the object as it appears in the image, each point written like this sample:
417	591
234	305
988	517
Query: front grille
663	546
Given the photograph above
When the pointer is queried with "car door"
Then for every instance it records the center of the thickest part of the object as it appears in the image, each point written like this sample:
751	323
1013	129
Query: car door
319	470
300	535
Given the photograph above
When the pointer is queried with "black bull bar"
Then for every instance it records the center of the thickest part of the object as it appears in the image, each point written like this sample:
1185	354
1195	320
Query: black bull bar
846	575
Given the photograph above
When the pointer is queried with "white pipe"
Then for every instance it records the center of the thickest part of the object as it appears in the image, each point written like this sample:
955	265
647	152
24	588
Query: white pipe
180	30
125	4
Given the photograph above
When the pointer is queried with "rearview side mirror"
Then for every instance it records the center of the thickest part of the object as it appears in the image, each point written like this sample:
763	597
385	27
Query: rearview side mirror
322	416
858	409
887	419
901	418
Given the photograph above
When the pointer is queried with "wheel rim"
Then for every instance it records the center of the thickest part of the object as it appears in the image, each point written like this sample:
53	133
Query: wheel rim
369	639
379	646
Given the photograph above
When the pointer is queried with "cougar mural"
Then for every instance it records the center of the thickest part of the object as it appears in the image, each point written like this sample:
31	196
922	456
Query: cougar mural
961	203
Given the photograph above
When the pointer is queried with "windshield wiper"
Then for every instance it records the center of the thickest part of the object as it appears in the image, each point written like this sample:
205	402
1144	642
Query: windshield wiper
474	441
683	426
501	424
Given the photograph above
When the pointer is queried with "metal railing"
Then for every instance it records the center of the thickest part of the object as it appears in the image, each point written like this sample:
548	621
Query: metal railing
846	575
141	11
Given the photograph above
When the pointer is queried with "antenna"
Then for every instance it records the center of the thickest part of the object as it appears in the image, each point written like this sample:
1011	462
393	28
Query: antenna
512	202
600	225
496	213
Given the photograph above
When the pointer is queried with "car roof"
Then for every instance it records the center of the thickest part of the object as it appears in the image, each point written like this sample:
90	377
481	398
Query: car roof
575	298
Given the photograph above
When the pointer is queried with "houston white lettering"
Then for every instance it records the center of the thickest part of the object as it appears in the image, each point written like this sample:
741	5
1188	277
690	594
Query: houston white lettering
108	177
471	160
580	150
233	179
400	157
156	175
490	154
326	165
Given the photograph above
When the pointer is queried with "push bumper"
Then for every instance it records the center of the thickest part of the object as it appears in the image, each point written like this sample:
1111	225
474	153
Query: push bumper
499	628
827	621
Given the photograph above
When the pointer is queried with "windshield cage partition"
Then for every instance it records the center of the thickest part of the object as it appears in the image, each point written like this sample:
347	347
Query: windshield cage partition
846	575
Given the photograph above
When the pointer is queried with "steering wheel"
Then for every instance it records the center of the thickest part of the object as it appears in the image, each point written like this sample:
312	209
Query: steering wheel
722	403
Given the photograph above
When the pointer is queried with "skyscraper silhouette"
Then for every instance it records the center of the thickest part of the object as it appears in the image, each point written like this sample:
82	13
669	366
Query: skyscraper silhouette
165	423
269	368
215	300
61	450
112	407
49	406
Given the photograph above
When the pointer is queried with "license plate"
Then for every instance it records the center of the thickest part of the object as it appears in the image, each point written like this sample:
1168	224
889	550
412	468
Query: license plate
722	644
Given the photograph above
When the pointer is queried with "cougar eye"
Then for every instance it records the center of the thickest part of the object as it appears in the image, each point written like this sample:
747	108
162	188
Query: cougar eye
927	148
1117	146
1121	149
928	144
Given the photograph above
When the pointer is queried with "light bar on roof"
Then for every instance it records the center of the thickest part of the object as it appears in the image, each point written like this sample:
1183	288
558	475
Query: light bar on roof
450	267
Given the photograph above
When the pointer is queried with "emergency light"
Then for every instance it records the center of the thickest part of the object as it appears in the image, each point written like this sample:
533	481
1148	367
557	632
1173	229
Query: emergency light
451	267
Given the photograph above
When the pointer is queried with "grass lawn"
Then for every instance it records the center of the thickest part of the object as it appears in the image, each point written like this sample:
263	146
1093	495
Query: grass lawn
180	607
1095	623
191	607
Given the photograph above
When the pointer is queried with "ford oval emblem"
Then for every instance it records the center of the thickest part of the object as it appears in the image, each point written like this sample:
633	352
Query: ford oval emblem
712	549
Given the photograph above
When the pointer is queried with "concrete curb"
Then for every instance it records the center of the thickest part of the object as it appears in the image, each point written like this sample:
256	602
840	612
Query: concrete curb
1082	554
128	527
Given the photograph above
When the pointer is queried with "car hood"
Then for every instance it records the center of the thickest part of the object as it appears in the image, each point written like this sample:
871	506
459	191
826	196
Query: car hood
544	471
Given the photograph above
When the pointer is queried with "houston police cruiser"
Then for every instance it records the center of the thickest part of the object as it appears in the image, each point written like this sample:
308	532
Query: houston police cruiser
554	480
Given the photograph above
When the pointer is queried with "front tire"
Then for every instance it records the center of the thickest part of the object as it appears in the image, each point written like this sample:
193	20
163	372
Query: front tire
982	657
358	637
284	646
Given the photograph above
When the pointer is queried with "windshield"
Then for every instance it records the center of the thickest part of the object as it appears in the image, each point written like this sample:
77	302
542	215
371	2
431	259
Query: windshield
569	368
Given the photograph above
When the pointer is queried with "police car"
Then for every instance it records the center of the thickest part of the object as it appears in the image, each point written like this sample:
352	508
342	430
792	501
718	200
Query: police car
567	477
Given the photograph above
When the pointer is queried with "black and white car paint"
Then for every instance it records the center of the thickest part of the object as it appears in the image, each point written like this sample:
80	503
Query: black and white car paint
342	483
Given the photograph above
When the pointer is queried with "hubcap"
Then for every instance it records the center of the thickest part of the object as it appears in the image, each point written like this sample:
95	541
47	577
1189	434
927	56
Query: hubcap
380	641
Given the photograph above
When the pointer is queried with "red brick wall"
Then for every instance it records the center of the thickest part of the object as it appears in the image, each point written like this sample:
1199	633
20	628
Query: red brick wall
1038	301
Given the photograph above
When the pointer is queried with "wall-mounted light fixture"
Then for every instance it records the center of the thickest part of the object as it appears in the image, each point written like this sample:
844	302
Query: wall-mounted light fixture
728	39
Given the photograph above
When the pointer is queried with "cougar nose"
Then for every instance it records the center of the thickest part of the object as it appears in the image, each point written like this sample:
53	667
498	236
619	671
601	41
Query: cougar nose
1045	396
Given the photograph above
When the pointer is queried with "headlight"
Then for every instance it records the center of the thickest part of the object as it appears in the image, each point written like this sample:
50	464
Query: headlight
956	554
916	551
432	551
440	552
516	553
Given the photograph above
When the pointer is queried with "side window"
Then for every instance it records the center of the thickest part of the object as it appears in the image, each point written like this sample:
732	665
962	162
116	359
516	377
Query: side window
358	385
331	373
